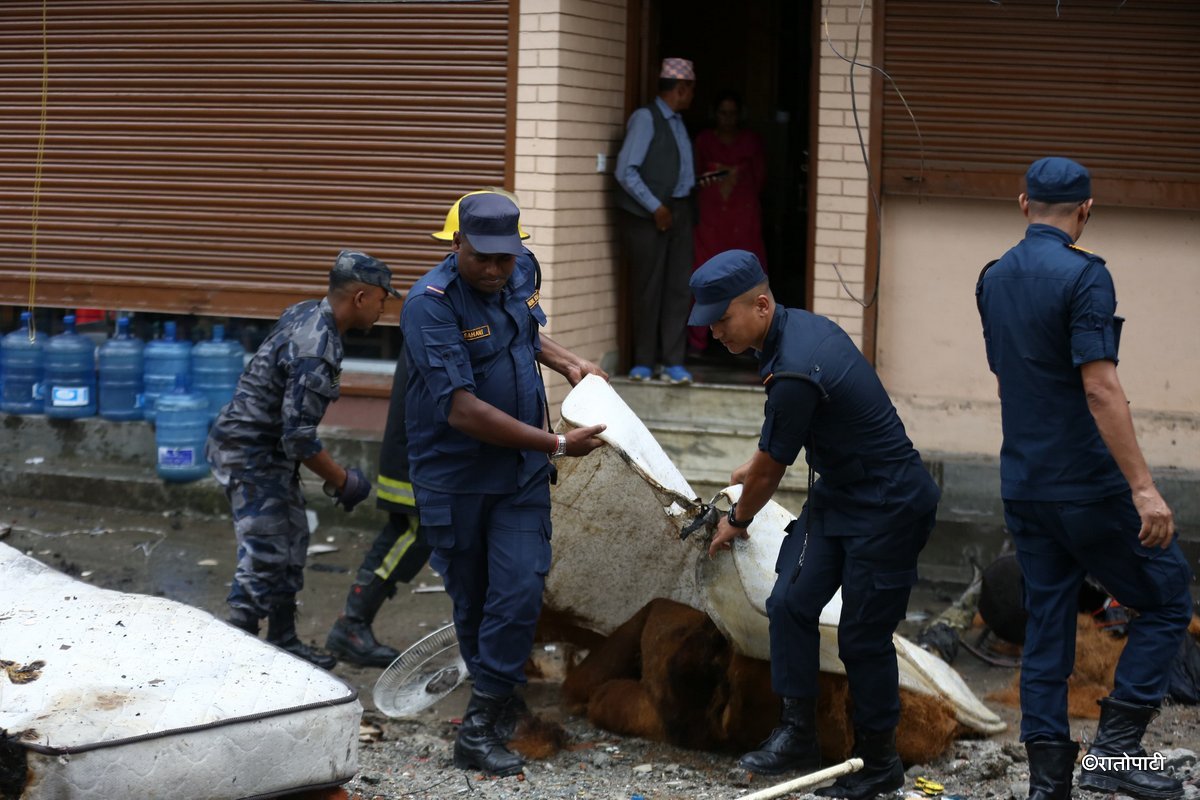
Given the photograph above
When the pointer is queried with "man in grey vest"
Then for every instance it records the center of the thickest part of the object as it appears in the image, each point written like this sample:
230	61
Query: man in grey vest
656	172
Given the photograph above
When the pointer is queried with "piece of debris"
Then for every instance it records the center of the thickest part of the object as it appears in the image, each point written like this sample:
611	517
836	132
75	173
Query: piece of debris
5	530
321	549
369	732
35	460
425	589
22	673
207	562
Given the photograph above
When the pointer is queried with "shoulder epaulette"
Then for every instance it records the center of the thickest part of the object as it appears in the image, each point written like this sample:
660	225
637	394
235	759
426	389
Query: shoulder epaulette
1081	249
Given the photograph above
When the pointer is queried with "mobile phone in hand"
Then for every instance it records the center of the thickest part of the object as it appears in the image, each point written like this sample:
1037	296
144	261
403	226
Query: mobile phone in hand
707	178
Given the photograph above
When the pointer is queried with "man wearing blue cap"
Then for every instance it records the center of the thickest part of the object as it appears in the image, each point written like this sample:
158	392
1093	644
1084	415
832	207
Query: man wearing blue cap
269	428
480	455
866	519
1078	497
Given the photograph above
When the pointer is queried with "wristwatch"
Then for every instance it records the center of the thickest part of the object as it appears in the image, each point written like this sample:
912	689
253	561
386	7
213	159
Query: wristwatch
734	521
561	450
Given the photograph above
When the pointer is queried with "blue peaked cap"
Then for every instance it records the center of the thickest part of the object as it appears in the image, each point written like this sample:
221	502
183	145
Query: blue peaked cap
1057	180
720	279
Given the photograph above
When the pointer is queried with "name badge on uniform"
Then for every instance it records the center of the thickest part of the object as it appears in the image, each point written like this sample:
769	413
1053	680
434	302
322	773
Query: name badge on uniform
533	298
482	332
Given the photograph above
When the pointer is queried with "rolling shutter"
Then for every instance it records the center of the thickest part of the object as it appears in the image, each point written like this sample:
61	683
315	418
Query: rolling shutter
996	85
213	157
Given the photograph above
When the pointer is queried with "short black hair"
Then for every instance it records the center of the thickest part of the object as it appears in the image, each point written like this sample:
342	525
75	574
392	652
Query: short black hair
1041	208
667	84
341	282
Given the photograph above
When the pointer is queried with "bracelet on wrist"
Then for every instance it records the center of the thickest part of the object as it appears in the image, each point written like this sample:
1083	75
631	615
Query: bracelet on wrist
734	521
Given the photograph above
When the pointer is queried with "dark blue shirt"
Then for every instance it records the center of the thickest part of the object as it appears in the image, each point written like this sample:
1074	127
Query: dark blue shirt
871	476
1047	308
456	337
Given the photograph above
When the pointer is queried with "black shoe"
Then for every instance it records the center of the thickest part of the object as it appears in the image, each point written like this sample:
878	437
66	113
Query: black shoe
243	619
1051	767
792	746
1120	732
479	744
281	632
352	640
882	771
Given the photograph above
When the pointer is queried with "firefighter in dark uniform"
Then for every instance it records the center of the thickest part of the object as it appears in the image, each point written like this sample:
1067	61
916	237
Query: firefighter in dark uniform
399	550
480	454
263	435
1078	497
866	519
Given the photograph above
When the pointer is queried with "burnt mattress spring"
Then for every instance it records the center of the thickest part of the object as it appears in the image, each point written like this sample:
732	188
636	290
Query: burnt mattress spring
105	694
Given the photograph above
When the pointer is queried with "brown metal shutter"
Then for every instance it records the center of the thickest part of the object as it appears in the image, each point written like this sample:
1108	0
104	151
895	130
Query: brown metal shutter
214	157
995	85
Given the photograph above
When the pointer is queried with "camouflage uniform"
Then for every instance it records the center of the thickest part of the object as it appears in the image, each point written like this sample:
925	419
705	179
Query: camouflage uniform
257	443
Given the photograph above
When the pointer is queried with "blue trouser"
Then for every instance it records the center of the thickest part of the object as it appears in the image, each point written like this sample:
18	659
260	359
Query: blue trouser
493	552
876	574
1057	543
272	538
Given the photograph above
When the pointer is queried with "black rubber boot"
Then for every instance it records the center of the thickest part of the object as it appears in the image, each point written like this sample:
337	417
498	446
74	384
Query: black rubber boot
882	772
281	632
244	619
792	746
351	638
479	745
1120	732
1051	766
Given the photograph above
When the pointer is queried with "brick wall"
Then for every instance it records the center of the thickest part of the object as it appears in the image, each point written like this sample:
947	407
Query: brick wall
842	197
570	107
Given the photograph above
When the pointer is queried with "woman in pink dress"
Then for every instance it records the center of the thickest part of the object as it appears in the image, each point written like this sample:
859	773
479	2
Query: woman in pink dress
730	213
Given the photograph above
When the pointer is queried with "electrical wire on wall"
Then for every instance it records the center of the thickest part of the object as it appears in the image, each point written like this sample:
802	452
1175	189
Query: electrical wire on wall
862	145
37	176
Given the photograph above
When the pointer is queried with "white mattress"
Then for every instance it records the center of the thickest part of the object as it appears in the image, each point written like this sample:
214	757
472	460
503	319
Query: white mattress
145	697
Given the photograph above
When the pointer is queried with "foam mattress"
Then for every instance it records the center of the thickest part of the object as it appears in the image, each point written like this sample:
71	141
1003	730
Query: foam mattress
110	695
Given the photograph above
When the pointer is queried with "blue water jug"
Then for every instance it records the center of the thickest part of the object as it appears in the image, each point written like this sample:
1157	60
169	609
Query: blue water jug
216	367
70	362
120	365
164	360
180	429
22	357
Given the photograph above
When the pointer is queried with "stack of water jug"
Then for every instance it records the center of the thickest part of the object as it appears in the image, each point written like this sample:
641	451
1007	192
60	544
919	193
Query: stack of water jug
178	386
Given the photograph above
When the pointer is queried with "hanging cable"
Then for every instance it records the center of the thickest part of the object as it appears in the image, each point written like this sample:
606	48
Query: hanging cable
862	146
37	175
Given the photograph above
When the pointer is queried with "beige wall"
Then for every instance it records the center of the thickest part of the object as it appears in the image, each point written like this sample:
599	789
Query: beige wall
570	107
930	349
842	200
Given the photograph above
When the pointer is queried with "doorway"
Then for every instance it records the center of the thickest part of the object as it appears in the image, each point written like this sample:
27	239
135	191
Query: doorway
763	51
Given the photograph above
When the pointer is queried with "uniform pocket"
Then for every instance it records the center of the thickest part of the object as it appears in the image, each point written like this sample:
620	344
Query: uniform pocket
434	512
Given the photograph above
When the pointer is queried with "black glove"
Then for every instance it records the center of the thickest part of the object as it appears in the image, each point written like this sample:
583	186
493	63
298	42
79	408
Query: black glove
357	489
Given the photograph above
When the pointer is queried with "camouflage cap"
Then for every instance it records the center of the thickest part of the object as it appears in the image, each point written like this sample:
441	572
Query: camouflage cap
353	265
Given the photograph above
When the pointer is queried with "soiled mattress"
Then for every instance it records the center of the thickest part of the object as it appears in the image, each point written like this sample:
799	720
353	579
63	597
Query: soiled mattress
111	695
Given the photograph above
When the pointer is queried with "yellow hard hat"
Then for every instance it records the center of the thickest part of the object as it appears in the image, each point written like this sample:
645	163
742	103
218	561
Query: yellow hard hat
446	234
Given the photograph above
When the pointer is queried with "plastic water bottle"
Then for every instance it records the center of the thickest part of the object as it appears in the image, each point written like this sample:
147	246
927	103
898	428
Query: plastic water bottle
165	359
70	361
22	388
120	364
216	366
180	430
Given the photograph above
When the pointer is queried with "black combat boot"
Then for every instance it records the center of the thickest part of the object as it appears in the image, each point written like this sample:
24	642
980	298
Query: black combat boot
281	632
243	619
792	746
479	745
1051	765
882	772
1120	732
351	638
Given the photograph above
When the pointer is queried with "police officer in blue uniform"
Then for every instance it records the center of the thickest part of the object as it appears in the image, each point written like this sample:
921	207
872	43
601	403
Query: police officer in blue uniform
866	519
1078	497
262	436
480	455
399	551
